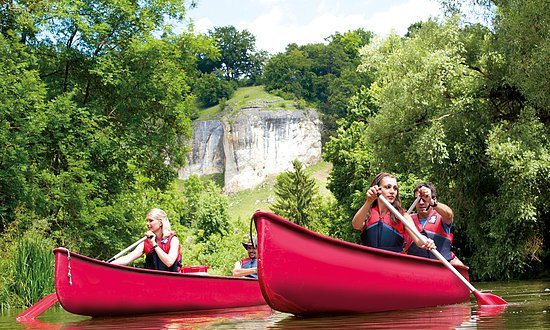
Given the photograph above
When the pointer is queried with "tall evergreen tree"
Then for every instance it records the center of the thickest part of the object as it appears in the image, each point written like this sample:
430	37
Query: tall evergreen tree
296	191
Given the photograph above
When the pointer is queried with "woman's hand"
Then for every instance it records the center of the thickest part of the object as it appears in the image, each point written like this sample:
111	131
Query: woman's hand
372	194
151	237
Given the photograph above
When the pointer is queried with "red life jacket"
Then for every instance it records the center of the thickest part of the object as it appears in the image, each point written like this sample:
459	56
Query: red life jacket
383	233
152	260
250	263
433	228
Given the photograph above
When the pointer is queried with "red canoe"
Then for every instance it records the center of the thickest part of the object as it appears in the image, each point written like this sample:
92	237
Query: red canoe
306	273
87	286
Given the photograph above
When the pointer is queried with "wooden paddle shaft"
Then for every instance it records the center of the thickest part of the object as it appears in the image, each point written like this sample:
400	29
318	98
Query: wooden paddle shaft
423	239
128	249
413	205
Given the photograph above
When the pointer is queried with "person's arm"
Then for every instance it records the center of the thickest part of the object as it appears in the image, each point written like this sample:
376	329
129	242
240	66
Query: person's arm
240	272
244	271
125	260
363	214
445	212
429	242
169	258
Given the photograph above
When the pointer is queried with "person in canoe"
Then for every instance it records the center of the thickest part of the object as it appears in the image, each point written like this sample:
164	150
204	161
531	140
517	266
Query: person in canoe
433	219
161	248
380	228
248	267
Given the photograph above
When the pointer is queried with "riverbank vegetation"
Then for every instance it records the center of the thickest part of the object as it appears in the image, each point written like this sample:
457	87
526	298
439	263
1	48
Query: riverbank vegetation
96	99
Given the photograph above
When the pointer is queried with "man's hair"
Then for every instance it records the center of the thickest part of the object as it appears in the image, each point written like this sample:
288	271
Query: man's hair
428	185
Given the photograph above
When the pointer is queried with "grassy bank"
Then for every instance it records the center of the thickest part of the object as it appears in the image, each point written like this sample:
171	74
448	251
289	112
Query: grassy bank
246	96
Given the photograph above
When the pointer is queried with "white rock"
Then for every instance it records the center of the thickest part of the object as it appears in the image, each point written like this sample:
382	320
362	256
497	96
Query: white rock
254	145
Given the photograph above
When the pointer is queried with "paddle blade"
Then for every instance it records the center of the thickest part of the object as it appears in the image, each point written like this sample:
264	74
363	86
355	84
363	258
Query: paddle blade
488	299
38	308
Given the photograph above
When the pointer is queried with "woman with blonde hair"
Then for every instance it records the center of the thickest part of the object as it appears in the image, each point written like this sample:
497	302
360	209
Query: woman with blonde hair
161	248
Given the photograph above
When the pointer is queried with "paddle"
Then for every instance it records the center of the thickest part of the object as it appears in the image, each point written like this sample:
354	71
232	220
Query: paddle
127	249
482	298
48	301
413	205
38	308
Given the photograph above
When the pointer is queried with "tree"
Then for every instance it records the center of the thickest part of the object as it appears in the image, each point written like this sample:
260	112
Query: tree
238	56
522	36
94	101
210	90
289	72
296	192
22	93
206	208
444	108
325	75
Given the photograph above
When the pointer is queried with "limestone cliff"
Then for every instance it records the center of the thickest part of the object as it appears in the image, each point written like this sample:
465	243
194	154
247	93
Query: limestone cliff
254	145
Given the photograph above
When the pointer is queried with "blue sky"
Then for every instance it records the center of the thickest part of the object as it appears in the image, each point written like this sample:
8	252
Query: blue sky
276	23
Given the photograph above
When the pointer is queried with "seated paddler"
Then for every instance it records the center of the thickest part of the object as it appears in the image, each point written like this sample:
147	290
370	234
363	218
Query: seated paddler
380	227
435	220
248	267
161	248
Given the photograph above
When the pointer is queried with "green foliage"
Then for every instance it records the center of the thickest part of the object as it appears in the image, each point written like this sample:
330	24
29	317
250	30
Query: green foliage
324	75
206	209
33	263
212	215
522	30
296	193
219	252
21	93
210	90
89	108
519	155
445	107
238	58
223	104
288	72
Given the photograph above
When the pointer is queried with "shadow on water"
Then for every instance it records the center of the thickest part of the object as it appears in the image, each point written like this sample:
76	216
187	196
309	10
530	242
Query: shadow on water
529	309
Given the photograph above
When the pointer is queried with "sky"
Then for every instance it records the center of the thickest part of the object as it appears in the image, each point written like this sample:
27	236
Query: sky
277	23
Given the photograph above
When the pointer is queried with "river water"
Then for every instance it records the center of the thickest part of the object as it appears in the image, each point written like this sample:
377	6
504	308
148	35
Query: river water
529	308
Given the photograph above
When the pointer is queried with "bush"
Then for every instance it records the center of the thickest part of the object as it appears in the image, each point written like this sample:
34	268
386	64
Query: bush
34	267
218	252
209	90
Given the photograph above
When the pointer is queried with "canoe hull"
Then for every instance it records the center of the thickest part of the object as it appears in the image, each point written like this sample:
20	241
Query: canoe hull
304	273
87	286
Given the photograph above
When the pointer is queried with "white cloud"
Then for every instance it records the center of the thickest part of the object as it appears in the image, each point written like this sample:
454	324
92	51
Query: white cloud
202	25
401	16
280	22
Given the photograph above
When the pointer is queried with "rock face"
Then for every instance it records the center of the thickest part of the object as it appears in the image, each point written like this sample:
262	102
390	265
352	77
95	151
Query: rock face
206	155
254	145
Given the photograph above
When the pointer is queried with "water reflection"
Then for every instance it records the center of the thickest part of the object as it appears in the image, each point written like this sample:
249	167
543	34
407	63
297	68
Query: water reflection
442	317
488	317
190	320
529	309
